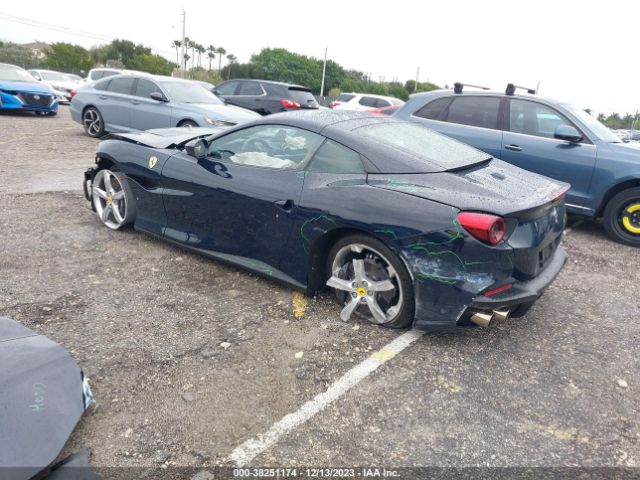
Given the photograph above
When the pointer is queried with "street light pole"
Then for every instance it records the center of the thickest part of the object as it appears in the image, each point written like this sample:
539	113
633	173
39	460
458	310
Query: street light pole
184	61
324	69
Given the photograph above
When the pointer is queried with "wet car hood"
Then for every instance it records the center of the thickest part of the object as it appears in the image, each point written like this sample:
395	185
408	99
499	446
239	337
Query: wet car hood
165	137
41	400
31	87
496	187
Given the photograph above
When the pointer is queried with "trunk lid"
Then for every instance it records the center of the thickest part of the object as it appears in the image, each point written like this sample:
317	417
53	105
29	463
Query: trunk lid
529	203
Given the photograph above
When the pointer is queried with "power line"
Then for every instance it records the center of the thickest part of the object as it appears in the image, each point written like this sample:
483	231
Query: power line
61	29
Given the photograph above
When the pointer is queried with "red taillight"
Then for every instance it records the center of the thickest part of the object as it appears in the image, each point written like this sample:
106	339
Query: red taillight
289	103
73	93
559	194
485	227
334	104
498	290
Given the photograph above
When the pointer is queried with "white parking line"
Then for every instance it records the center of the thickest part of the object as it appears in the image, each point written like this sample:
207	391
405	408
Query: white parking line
253	447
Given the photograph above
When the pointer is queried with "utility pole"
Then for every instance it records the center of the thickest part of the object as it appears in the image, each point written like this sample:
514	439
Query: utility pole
415	87
184	61
324	69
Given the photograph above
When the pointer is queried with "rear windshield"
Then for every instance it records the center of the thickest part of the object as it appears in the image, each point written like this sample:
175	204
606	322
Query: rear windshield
345	97
423	143
303	97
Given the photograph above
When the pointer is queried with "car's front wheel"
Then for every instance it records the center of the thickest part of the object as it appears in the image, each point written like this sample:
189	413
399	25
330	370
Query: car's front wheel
113	199
92	122
370	281
622	217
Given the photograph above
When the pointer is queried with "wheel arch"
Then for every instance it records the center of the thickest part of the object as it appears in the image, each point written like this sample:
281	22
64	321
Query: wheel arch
322	246
184	120
613	191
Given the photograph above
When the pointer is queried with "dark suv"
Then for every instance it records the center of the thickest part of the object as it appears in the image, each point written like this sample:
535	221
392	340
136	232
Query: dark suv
265	96
548	137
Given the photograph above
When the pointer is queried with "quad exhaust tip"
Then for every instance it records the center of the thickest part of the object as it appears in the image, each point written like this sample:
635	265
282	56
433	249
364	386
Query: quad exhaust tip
484	319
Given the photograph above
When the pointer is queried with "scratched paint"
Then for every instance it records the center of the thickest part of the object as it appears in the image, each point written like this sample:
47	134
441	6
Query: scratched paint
312	221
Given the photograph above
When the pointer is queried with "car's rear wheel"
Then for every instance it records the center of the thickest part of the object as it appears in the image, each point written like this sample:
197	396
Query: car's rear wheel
188	123
622	217
92	122
370	281
113	199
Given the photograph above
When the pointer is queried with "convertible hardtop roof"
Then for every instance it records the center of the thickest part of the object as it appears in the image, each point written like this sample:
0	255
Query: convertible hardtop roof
319	120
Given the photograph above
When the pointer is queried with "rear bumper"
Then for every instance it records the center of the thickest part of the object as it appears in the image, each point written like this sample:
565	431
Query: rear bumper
523	292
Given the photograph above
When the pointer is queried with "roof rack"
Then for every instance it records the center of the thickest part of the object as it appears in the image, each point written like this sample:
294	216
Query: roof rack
511	89
457	87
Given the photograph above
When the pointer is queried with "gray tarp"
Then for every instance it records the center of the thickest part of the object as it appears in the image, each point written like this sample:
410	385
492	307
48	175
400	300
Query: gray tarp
41	400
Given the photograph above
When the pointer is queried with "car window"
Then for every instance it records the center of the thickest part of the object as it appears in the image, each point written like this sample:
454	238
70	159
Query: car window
269	146
189	92
302	96
121	85
423	143
433	110
345	97
145	88
532	118
369	102
97	75
228	88
381	102
249	88
102	84
475	111
332	157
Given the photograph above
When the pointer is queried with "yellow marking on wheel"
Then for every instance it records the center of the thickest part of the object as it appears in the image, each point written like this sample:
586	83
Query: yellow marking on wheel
300	303
627	222
383	355
633	208
361	292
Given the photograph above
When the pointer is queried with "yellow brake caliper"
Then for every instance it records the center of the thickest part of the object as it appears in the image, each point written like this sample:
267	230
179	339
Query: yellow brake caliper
630	223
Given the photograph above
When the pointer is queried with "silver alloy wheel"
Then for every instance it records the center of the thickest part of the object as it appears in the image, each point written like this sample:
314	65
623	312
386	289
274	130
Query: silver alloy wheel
91	121
109	198
362	286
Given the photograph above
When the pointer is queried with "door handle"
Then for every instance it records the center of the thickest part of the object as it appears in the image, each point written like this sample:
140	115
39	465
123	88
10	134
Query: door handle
135	102
102	97
285	205
515	148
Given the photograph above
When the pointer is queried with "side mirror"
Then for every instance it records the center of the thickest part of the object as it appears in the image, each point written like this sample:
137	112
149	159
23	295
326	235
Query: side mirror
197	148
567	133
158	96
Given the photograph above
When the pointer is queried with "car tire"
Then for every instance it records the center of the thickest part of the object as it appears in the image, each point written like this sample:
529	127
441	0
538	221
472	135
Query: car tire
188	123
371	281
93	122
621	217
52	114
113	199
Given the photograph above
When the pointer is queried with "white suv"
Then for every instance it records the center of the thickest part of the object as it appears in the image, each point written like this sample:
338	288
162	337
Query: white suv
363	101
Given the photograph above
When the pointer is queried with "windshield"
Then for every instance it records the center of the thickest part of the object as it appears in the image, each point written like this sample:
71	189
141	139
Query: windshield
599	130
190	92
425	144
14	74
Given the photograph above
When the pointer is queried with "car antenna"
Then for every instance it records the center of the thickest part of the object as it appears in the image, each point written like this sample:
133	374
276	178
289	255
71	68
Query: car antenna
511	89
457	87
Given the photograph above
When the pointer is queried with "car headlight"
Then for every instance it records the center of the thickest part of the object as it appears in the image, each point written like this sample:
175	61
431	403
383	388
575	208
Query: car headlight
218	123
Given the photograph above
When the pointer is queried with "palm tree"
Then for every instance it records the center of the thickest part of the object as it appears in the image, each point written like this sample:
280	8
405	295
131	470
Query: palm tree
231	58
177	44
220	51
192	46
187	43
212	54
200	50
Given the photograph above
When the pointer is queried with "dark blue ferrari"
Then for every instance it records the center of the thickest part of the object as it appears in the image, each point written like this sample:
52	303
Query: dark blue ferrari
407	226
19	91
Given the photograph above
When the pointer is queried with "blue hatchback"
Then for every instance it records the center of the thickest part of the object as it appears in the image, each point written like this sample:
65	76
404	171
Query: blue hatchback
19	91
547	137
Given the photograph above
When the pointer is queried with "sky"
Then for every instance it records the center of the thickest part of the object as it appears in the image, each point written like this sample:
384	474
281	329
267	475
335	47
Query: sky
580	52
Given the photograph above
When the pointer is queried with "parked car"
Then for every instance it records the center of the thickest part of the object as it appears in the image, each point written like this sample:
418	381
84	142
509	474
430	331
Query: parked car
390	110
96	74
19	91
407	226
61	83
125	103
363	101
266	97
547	137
